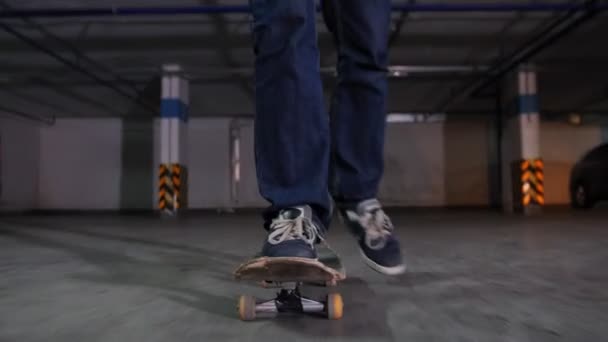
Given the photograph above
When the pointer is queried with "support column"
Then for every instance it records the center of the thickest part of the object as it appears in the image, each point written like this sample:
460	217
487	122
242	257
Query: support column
523	176
235	162
173	171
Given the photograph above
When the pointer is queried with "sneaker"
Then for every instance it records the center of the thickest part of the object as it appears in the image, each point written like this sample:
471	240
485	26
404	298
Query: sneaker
293	233
374	231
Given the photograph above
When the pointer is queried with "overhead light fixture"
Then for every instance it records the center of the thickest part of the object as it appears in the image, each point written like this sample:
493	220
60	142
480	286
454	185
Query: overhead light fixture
398	73
414	117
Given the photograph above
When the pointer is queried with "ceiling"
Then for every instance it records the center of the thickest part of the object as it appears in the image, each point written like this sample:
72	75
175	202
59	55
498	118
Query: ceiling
215	51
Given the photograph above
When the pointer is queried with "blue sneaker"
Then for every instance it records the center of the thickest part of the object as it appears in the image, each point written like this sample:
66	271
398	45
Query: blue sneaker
293	233
374	231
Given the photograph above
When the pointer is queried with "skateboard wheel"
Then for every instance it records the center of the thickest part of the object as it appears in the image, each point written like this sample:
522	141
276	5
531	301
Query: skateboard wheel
247	306
335	306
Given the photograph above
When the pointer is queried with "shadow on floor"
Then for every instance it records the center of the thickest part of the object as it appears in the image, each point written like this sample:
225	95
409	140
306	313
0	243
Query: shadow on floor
365	315
170	268
219	256
120	269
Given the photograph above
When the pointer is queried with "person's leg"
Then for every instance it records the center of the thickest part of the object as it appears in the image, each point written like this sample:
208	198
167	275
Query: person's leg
358	112
358	121
291	125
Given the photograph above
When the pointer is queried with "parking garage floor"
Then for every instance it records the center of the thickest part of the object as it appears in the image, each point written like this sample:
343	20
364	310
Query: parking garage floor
473	276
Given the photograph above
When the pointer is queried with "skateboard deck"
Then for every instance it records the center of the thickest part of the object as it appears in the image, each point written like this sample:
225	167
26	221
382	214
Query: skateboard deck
288	274
327	268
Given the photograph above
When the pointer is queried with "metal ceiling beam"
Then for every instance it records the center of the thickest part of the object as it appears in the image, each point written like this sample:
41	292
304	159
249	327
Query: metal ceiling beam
21	114
497	38
195	42
75	66
398	28
558	29
396	71
495	7
224	51
34	99
142	74
60	89
228	9
68	46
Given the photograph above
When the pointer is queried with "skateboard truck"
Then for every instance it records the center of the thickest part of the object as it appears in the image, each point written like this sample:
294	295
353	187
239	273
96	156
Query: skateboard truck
287	275
290	300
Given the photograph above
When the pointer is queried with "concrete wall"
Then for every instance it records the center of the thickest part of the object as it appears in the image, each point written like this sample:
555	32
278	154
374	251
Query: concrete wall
111	164
208	163
426	164
510	151
247	190
466	158
562	145
80	164
19	163
137	167
414	165
436	164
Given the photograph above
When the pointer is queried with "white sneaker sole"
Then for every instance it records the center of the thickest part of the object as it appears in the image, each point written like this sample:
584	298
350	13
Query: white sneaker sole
393	271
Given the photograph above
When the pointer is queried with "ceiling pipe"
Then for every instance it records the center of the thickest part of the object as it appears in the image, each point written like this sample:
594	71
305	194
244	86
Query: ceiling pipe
33	99
75	66
494	7
142	75
77	53
558	29
49	121
243	9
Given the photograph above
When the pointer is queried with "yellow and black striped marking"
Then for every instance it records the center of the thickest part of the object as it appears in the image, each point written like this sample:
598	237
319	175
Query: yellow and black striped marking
171	186
532	182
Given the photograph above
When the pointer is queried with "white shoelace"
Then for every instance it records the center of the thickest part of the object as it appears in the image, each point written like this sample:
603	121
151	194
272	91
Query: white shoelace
378	227
291	229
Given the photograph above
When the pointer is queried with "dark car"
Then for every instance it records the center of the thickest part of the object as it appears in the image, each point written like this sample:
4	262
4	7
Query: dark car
589	178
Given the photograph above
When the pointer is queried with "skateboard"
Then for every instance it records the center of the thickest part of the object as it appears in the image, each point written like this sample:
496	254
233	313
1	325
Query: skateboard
288	275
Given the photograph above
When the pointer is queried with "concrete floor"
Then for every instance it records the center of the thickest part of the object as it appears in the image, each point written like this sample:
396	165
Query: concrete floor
473	276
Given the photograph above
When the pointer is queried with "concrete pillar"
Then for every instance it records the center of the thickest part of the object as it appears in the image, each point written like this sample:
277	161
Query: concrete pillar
173	171
235	161
522	164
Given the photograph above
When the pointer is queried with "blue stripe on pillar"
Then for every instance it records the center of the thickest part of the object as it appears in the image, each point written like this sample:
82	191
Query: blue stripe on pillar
528	104
174	108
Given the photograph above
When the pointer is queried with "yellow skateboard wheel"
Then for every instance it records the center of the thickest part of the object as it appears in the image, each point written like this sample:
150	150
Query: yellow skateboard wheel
335	306
246	308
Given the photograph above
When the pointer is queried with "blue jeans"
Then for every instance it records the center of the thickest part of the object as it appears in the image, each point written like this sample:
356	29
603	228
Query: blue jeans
303	155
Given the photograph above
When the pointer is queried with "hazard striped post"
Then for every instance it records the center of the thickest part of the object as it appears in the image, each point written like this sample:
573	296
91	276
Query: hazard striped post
532	188
172	173
523	135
